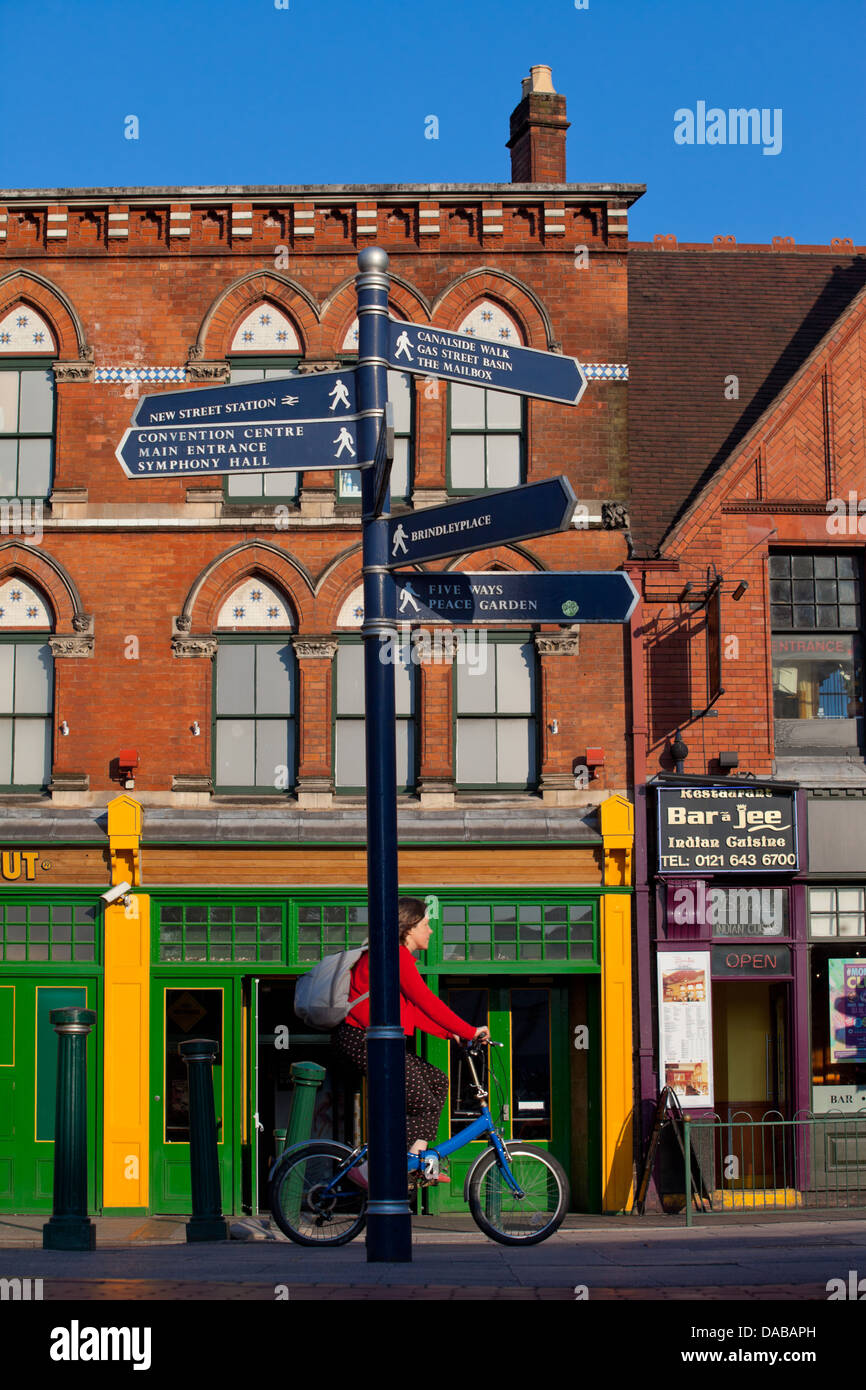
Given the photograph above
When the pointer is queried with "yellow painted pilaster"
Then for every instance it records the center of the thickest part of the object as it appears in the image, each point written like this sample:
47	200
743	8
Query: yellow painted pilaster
617	1079
127	1019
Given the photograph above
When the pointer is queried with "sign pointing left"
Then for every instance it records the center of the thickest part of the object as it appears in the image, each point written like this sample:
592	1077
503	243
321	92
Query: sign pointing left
289	423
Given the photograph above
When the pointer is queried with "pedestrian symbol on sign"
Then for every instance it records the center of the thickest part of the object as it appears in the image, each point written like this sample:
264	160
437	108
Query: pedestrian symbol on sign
402	348
340	394
407	596
399	541
344	439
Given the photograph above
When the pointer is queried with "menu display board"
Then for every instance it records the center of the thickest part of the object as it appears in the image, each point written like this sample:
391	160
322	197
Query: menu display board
685	1027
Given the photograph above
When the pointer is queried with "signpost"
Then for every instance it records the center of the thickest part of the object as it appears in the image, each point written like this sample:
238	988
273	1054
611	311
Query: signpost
308	422
497	518
343	420
430	351
498	597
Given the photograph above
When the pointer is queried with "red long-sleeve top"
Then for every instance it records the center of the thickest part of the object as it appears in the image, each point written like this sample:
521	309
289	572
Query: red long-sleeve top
419	1007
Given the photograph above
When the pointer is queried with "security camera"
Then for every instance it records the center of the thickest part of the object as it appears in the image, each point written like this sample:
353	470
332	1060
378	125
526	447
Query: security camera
118	890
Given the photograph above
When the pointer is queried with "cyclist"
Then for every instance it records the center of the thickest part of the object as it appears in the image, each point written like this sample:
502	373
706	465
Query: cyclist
426	1085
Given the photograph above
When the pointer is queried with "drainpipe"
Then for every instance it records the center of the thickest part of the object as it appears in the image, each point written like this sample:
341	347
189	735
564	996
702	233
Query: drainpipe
645	1074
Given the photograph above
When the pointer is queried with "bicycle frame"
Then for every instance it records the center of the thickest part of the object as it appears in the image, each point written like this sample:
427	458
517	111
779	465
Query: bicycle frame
482	1128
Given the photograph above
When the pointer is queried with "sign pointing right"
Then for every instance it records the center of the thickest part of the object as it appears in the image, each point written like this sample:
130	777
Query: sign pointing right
516	599
515	514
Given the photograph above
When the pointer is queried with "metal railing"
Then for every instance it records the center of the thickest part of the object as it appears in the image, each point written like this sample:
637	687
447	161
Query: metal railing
812	1162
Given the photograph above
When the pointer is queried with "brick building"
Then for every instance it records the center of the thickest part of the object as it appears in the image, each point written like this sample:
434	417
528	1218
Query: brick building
184	707
747	456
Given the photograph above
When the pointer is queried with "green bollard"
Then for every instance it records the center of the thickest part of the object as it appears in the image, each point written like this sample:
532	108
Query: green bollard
307	1077
70	1228
208	1222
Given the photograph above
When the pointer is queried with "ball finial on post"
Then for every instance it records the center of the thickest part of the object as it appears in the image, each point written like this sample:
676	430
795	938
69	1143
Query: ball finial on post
373	258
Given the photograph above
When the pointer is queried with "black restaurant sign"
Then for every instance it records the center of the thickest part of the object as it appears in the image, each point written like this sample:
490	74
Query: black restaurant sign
727	829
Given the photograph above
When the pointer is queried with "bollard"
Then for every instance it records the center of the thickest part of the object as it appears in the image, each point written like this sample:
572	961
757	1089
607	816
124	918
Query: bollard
70	1228
307	1077
208	1222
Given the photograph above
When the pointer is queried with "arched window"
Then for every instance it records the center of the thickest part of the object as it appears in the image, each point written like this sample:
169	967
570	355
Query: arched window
265	346
348	705
26	404
26	686
486	429
402	397
496	735
255	692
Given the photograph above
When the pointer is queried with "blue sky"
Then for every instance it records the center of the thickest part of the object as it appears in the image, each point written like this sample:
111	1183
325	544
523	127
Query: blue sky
240	91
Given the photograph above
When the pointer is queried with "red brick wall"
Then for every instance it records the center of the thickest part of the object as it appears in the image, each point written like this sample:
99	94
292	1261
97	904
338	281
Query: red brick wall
772	494
143	301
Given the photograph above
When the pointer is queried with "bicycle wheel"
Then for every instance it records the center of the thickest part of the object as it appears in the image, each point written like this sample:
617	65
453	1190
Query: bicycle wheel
514	1220
301	1206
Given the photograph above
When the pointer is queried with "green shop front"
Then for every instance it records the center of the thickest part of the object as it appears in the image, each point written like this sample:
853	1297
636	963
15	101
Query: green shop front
532	938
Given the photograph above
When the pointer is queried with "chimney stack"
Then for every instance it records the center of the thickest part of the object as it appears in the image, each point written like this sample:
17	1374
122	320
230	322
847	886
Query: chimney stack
538	127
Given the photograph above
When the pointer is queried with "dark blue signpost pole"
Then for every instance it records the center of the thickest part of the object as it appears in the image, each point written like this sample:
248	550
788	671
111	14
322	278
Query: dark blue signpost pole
389	1234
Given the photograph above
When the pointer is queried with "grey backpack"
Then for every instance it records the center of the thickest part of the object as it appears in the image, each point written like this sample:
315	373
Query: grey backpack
322	995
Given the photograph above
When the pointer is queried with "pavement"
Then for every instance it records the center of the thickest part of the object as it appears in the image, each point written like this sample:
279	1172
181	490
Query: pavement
757	1256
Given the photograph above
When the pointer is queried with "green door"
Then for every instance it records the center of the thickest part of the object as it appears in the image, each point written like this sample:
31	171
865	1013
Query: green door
182	1009
28	1089
529	1085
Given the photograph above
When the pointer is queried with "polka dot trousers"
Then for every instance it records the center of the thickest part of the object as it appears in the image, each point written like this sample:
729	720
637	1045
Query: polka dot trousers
426	1085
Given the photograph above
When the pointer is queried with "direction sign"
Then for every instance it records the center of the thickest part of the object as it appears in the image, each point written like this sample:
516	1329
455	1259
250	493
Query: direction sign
287	423
499	366
494	597
516	514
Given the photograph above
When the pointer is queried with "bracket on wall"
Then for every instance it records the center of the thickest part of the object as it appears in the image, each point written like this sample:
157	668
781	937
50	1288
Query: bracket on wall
708	599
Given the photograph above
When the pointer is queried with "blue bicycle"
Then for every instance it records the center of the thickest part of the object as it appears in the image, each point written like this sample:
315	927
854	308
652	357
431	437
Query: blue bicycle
518	1195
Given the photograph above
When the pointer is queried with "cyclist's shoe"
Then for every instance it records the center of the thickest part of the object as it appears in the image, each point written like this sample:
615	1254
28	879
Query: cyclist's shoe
430	1172
358	1176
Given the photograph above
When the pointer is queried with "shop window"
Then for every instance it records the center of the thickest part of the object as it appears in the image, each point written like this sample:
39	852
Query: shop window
496	733
350	774
254	703
326	929
534	931
838	978
486	429
46	931
26	405
207	931
837	911
817	650
401	395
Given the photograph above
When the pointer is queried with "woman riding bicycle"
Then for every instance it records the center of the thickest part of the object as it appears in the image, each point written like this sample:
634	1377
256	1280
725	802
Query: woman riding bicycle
426	1085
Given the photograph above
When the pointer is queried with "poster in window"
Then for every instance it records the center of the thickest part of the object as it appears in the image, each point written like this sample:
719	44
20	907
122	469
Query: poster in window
685	1030
847	984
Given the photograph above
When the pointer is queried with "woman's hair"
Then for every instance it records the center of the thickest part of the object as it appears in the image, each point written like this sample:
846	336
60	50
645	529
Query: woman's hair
410	911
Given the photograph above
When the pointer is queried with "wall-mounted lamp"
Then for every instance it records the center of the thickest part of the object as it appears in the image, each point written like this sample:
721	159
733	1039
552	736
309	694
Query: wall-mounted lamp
64	727
740	590
729	760
679	752
194	728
